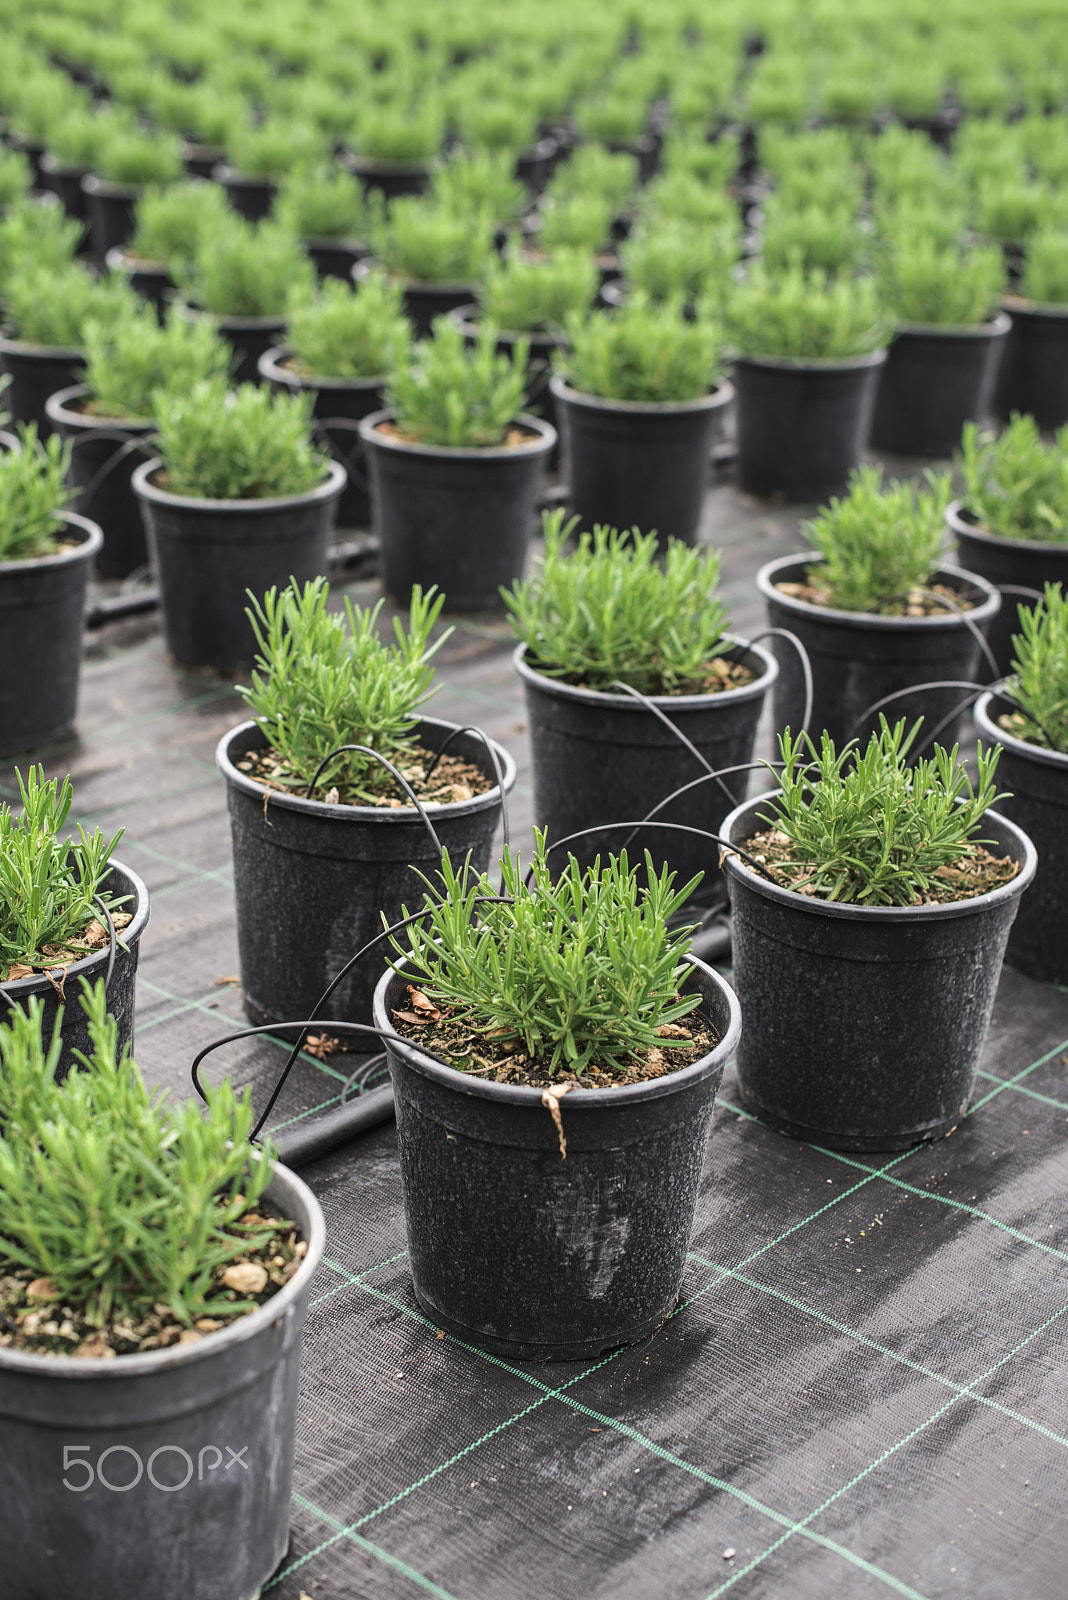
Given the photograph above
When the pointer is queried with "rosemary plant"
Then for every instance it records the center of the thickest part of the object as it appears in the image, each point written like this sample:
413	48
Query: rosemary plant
35	236
347	333
827	237
574	222
129	155
942	285
1045	270
596	173
799	316
246	269
644	352
131	359
15	177
1016	485
48	885
122	1203
608	611
322	202
581	973
457	395
865	828
680	260
53	308
245	445
479	185
1040	685
33	493
408	134
273	147
322	680
425	240
880	543
685	198
169	221
535	296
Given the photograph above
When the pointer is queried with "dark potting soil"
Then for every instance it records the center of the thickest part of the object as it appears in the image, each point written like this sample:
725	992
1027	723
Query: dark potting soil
34	1317
511	440
93	936
917	603
443	1033
970	875
720	673
861	1391
451	781
1020	725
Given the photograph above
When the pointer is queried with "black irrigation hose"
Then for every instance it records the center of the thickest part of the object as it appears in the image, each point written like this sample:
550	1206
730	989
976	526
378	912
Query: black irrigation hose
322	427
678	827
497	772
367	750
695	783
651	705
128	443
806	666
968	621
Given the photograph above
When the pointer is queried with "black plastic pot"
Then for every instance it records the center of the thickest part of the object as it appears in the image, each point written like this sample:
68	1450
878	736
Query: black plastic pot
343	399
1037	802
425	301
584	1254
391	178
935	380
457	518
1016	563
542	348
42	604
534	166
335	258
123	884
208	553
248	337
166	1474
645	149
200	160
858	658
1033	374
802	425
863	1025
36	371
65	182
312	880
32	149
638	465
150	279
602	757
251	197
110	207
106	451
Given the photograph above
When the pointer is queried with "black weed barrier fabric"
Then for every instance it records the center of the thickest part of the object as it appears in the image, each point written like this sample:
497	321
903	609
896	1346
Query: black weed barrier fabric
862	1391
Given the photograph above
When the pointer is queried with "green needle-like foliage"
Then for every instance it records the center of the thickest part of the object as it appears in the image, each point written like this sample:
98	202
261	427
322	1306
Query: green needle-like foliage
323	679
799	316
537	295
1009	208
574	222
351	333
644	352
880	542
169	222
483	184
33	493
682	197
596	173
668	259
826	236
129	155
119	1200
322	202
129	360
1040	687
246	269
459	395
865	827
402	133
608	611
1016	485
53	308
35	236
942	285
1045	271
15	176
426	240
47	883
581	972
271	148
246	445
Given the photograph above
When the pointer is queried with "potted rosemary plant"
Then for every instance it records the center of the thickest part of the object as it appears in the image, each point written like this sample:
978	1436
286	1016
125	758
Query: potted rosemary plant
1028	719
438	254
871	901
128	159
46	553
168	222
638	396
340	347
601	619
325	208
568	1046
260	154
68	912
108	418
238	499
455	468
876	608
1011	523
1033	376
324	843
808	355
942	362
155	1271
46	311
393	147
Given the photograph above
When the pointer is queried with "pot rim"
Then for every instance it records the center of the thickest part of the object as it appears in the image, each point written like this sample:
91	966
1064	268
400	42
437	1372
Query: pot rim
154	1363
223	172
67	169
88	550
864	619
119	259
487	452
873	358
270	365
1015	304
720	395
334	241
361	814
24	988
386	168
331	485
988	728
461	315
108	189
955	521
602	698
59	409
993	328
223	320
578	1099
890	915
22	347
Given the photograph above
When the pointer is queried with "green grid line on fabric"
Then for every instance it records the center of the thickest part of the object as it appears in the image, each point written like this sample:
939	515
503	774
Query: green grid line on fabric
389	1560
1032	1094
